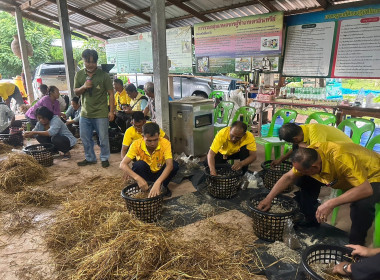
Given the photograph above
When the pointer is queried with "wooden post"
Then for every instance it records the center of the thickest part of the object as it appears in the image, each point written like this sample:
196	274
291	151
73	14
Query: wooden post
64	26
24	54
160	63
171	86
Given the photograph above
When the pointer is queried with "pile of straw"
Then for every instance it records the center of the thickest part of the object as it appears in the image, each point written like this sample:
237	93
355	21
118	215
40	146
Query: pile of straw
4	148
36	197
18	170
94	237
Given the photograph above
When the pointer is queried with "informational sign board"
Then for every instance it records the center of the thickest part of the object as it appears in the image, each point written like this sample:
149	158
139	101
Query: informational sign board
133	54
308	49
337	43
220	45
357	51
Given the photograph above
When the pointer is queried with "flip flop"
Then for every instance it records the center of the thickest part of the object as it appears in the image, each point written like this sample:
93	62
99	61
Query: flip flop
66	157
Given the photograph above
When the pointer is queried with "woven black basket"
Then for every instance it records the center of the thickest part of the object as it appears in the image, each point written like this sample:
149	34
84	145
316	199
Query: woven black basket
270	226
226	184
42	153
323	254
145	209
272	175
15	139
116	142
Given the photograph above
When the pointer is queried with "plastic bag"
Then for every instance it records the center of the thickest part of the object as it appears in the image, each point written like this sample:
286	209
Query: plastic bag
249	180
290	237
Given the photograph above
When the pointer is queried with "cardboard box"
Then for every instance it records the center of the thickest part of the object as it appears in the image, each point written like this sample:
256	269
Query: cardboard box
265	97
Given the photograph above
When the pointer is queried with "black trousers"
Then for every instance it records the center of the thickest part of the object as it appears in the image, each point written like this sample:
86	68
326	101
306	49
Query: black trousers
241	155
367	268
307	196
61	143
123	120
142	168
362	212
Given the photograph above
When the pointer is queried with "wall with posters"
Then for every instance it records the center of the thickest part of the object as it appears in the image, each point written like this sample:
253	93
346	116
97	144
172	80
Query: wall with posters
338	43
229	45
133	54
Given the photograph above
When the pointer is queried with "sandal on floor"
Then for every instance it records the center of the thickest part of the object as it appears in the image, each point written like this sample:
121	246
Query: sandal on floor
66	157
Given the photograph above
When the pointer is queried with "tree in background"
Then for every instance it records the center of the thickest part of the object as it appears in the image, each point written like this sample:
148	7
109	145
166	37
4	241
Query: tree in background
40	37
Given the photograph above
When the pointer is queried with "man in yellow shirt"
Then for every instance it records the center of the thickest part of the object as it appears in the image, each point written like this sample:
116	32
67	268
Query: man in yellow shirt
154	161
303	136
308	134
346	166
138	101
233	142
9	91
122	102
134	132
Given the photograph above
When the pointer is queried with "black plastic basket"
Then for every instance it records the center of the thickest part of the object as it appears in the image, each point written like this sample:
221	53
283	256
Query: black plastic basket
272	175
324	254
226	184
42	153
145	209
116	142
270	226
14	139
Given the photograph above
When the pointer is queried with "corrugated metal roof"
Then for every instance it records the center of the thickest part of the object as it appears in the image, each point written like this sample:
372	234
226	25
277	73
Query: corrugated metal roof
212	9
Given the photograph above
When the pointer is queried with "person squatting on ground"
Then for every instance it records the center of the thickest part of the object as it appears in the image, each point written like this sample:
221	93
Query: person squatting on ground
154	161
7	117
346	166
368	268
233	142
51	129
122	101
134	132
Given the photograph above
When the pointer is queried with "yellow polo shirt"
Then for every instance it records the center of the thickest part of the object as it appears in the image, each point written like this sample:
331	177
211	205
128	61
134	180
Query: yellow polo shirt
348	163
6	89
222	142
319	133
131	134
137	100
157	159
121	98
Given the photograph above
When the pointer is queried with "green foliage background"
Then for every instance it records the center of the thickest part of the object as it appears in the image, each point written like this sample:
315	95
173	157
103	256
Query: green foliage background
40	37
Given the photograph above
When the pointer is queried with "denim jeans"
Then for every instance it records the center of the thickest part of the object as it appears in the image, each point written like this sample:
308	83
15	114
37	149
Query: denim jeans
87	127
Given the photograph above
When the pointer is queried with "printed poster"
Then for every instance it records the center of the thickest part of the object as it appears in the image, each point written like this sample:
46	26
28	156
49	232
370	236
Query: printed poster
224	41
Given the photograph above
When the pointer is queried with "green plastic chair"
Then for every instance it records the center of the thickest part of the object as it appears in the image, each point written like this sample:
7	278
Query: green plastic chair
216	94
223	113
376	235
372	142
322	118
276	144
358	131
247	114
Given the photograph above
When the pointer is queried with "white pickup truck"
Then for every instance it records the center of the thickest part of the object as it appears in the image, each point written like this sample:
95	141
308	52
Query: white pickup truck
189	85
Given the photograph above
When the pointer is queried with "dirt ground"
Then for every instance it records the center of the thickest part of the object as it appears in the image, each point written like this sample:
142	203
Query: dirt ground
24	255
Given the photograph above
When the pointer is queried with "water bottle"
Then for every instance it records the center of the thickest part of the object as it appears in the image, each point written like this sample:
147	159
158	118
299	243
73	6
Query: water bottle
279	121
